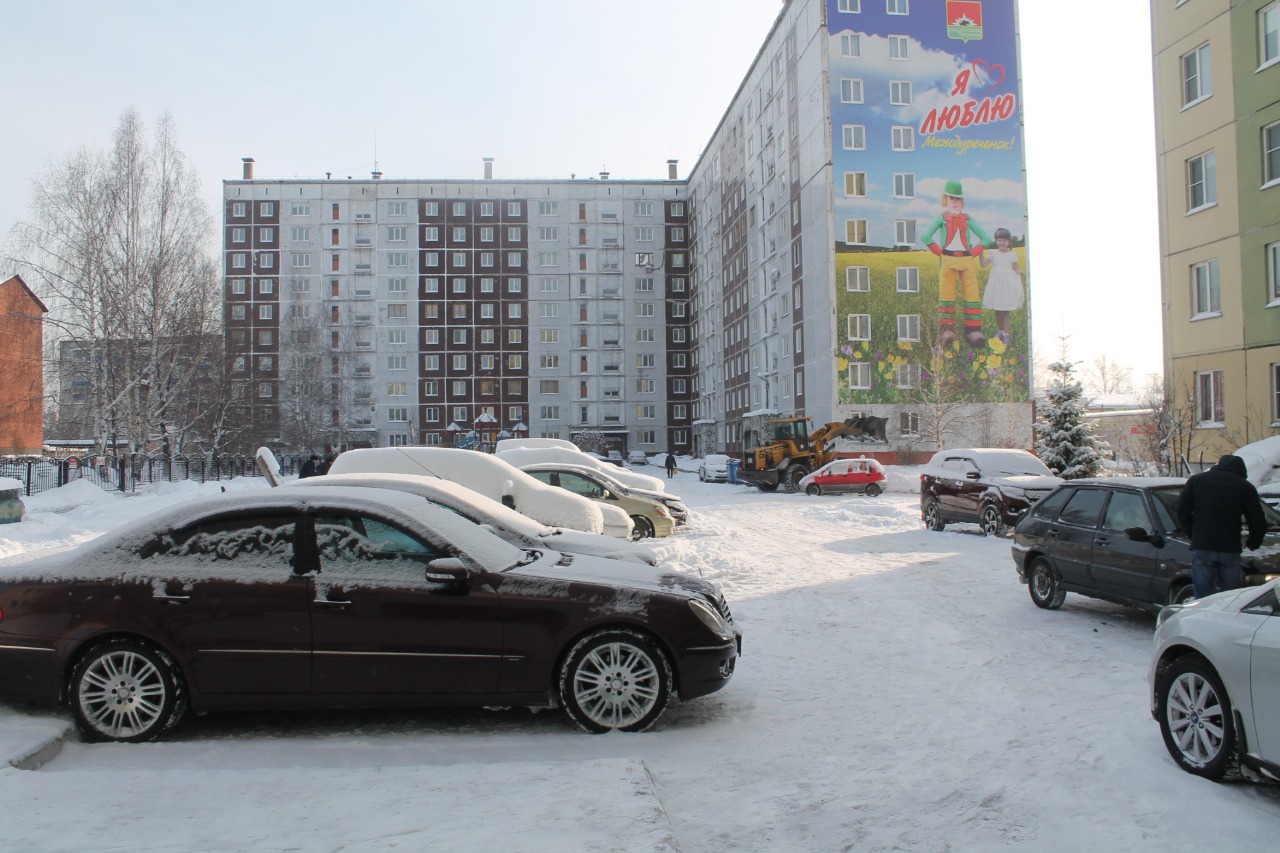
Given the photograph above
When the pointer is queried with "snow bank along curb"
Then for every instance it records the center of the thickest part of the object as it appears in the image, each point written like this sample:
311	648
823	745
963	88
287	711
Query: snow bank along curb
27	743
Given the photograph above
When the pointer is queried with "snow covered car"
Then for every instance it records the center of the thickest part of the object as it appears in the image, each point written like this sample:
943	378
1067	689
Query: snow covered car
840	476
509	525
1215	683
305	597
649	515
637	457
714	468
494	478
522	456
991	487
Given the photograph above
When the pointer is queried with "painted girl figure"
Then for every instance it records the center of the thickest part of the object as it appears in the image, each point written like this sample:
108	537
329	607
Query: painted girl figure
963	241
1004	291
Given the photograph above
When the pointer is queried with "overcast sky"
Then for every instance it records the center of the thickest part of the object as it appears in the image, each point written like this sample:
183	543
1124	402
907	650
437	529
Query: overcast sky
428	88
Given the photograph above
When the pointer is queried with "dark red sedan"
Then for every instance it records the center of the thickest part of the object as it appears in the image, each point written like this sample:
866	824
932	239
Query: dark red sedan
348	597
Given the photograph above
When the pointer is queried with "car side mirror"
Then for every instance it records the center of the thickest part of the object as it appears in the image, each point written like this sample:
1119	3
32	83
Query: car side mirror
972	475
449	572
1140	534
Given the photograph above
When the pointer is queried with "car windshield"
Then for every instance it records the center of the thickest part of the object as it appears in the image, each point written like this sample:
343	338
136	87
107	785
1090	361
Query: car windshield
1013	463
1167	505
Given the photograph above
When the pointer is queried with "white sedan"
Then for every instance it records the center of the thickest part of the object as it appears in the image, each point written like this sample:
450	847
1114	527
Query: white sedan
1215	683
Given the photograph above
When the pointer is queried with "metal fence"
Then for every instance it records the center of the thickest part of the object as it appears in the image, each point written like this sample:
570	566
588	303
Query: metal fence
127	473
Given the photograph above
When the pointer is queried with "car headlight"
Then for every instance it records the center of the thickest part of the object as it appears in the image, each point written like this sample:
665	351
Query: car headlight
1014	492
708	616
661	509
1167	611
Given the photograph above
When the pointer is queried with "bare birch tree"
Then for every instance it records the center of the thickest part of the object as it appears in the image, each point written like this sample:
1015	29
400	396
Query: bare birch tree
118	246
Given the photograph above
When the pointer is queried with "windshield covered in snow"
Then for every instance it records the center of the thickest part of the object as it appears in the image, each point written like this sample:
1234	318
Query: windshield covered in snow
1010	463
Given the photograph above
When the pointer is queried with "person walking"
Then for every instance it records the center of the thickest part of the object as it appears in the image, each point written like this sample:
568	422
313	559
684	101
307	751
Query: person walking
1210	509
308	468
671	466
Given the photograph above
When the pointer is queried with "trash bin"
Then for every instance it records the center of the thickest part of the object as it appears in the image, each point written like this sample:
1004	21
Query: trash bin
733	470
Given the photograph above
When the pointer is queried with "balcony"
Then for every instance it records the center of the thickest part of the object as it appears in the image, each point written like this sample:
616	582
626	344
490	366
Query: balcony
363	242
363	319
364	269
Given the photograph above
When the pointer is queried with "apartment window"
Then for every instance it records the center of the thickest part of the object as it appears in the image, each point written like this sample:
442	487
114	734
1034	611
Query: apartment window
904	138
855	232
239	260
859	327
397	259
646	412
1196	82
856	280
645	386
549	361
460	336
548	386
459	311
908	376
850	90
549	232
514	311
459	362
849	7
644	285
1269	34
548	208
644	336
237	312
908	327
264	390
397	414
1206	298
678	309
646	360
546	259
431	234
549	413
644	234
431	362
459	259
904	185
488	361
266	208
549	336
238	209
397	362
908	279
300	234
908	423
515	336
1202	182
1210	409
397	389
398	336
854	136
860	375
548	310
896	7
301	260
548	284
397	234
239	286
644	208
431	285
855	184
904	231
486	208
266	338
398	311
900	92
266	235
514	259
850	45
898	47
645	309
397	285
1273	272
514	235
397	208
487	310
486	234
513	208
487	336
1271	155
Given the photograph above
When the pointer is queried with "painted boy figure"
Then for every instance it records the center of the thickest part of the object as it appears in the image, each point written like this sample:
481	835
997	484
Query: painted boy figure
959	266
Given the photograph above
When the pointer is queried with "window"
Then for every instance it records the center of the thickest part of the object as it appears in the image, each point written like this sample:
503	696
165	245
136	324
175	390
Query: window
397	285
904	231
548	208
266	208
431	234
908	327
238	209
549	362
513	208
1202	183
908	279
856	280
646	412
431	285
549	413
264	312
855	137
645	386
546	259
900	92
549	232
431	362
1196	81
238	260
898	47
908	376
237	312
896	7
460	336
860	375
855	184
515	311
514	235
548	386
644	234
398	336
397	234
397	389
644	336
264	390
266	235
850	90
300	234
904	185
397	414
644	208
486	208
644	285
859	327
459	362
301	260
908	423
646	360
1271	155
266	260
266	338
850	45
904	138
1273	272
397	259
849	7
266	286
398	311
1269	34
1206	298
239	285
855	231
1210	410
548	310
644	309
397	208
548	284
549	336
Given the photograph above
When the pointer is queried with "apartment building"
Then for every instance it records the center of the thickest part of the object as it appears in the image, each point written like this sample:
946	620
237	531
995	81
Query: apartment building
1217	80
377	312
21	357
796	270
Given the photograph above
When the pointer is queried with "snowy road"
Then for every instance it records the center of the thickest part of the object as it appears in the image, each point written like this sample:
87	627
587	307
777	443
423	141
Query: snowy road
898	691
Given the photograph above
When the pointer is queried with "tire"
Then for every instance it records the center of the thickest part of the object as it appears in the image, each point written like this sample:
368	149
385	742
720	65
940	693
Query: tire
1196	720
873	489
792	476
615	680
814	489
990	521
1045	584
933	516
767	487
1182	593
643	528
124	690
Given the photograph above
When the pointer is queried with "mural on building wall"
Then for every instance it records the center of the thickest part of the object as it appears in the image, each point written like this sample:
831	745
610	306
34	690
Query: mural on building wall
929	202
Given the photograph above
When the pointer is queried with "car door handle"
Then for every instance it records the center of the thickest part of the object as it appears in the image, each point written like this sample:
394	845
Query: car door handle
331	602
172	599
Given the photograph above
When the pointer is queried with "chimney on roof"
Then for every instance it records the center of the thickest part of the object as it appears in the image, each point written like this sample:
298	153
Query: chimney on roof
248	168
376	174
488	168
604	176
671	169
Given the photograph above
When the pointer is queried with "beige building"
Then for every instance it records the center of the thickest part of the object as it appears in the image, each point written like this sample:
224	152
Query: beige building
1217	82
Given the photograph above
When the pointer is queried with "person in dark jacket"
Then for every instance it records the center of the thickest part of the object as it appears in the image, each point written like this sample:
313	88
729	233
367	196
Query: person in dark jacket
308	468
1210	509
671	465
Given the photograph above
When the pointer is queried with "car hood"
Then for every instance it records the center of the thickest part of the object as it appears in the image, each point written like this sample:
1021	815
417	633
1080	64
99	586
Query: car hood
616	573
1029	482
595	545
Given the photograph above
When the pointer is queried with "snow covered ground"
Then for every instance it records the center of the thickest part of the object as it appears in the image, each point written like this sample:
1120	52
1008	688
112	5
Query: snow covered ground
898	691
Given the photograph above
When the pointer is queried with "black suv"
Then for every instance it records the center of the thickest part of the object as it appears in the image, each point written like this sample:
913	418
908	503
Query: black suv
991	487
1118	539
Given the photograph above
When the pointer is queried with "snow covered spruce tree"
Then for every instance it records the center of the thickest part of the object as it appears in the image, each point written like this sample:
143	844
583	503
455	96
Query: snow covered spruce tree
1065	441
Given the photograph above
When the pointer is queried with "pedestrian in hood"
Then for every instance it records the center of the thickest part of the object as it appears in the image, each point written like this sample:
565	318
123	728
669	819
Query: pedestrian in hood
1211	509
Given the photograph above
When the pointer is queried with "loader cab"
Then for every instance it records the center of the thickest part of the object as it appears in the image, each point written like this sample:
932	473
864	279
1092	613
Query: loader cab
794	431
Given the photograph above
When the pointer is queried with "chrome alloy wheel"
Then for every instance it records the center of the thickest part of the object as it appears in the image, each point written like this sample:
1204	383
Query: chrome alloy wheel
1196	718
616	685
122	694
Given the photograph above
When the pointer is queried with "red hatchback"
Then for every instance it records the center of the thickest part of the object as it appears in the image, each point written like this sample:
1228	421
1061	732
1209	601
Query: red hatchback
348	597
846	475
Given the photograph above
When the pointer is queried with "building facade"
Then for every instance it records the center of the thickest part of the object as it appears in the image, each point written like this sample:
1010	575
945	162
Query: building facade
796	270
1217	81
21	369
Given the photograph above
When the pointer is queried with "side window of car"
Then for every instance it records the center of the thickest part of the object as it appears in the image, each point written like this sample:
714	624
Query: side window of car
1048	508
1084	508
1126	510
359	550
226	541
